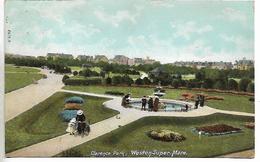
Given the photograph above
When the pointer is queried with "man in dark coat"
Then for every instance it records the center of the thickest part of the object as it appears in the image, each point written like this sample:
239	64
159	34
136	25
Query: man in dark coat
144	101
80	118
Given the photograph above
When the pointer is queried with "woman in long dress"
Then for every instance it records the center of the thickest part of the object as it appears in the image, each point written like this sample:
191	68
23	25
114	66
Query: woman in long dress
156	104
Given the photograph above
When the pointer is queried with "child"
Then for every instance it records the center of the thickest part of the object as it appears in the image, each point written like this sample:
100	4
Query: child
71	126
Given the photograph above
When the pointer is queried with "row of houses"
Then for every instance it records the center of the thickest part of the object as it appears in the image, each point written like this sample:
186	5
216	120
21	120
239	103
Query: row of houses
119	59
243	64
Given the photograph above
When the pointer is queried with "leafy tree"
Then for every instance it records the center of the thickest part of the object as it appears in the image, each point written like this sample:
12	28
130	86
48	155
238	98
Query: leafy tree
243	83
108	80
232	84
75	73
127	80
102	74
65	77
200	75
146	81
139	81
176	83
116	80
251	88
220	84
208	83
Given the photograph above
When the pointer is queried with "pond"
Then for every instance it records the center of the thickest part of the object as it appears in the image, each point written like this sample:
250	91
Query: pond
168	105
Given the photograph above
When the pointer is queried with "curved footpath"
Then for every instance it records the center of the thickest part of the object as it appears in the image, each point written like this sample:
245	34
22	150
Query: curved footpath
64	142
23	99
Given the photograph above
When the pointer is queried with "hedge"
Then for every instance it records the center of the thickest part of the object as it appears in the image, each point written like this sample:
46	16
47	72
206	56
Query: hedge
116	93
92	81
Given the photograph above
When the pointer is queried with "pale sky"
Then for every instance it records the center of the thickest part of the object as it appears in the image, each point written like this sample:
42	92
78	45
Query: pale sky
166	30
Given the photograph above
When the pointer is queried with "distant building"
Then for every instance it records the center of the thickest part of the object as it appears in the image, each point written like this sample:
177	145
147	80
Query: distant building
121	59
59	55
243	64
222	65
149	61
138	61
85	58
131	62
99	58
213	65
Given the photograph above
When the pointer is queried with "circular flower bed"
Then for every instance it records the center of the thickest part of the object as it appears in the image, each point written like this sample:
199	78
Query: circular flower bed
166	135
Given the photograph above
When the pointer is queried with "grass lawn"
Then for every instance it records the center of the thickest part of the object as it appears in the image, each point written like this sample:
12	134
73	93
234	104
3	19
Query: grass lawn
11	68
188	76
16	78
75	68
230	102
134	77
133	137
42	122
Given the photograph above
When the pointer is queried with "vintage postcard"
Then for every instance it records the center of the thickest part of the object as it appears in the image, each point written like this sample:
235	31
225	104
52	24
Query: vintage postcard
129	78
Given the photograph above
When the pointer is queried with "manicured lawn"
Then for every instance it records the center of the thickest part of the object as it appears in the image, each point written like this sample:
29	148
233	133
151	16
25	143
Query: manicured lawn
133	137
18	80
42	122
75	68
230	102
188	76
16	69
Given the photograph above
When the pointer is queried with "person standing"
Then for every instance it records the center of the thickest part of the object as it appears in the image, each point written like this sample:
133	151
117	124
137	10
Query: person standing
202	99
144	101
80	118
156	104
197	102
150	104
125	100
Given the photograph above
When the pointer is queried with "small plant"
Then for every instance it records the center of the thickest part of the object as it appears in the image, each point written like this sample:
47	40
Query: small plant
116	93
71	153
65	77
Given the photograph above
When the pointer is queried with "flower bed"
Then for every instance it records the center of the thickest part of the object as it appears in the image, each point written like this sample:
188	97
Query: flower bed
217	129
250	125
166	135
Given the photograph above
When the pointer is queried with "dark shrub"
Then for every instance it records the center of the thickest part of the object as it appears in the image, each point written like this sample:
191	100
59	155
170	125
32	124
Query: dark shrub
232	85
87	81
139	81
89	73
75	73
65	77
127	80
243	83
108	80
146	81
71	153
220	84
251	88
116	93
116	80
175	83
208	83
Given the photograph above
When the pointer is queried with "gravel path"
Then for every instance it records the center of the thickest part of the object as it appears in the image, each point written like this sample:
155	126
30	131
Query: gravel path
126	116
23	99
241	155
